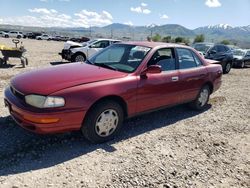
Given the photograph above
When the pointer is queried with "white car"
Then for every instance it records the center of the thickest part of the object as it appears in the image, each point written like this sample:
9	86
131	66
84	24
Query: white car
13	34
44	37
79	52
2	33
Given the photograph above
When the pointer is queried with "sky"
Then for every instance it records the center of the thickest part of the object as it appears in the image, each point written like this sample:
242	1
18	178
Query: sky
89	13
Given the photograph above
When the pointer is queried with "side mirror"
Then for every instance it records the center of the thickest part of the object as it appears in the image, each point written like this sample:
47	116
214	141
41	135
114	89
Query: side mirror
152	69
213	52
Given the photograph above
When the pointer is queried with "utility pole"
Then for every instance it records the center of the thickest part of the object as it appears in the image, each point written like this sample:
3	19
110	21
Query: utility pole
90	31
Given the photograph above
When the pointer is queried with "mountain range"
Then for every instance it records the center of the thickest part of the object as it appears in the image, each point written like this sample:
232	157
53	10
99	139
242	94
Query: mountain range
213	33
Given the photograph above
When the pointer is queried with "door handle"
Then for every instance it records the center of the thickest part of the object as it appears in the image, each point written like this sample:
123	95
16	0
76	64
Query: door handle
175	78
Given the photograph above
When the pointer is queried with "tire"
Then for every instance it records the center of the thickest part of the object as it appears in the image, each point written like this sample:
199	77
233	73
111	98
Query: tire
6	36
78	57
227	68
201	100
23	62
109	115
26	61
18	36
242	64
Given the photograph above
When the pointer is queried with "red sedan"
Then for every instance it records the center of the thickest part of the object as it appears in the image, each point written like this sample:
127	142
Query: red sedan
121	81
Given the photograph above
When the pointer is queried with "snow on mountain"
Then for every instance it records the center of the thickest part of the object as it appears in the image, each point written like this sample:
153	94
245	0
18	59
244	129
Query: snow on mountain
220	26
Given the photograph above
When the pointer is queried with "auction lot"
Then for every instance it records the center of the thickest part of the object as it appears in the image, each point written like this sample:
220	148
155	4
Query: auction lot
174	147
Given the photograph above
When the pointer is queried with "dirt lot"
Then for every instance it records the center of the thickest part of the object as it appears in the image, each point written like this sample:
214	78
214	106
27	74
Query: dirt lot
175	147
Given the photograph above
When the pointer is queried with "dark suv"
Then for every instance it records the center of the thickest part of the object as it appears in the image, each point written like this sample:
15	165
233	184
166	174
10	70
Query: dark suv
223	54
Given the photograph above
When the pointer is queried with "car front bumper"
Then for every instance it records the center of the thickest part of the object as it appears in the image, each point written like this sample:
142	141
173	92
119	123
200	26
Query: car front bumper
42	122
66	54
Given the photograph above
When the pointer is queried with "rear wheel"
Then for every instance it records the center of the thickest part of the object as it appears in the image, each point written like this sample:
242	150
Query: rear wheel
103	122
201	101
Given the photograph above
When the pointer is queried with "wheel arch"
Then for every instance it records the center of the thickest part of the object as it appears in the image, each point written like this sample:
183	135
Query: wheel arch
210	85
114	98
78	53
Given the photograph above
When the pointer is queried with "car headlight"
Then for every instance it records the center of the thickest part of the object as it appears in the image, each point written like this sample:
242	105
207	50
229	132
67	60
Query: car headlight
44	102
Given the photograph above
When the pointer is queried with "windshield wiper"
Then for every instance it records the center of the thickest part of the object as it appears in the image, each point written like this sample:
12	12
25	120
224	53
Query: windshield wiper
89	62
105	66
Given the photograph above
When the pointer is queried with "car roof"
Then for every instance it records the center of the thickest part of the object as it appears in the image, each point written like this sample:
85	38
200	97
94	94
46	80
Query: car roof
154	44
106	39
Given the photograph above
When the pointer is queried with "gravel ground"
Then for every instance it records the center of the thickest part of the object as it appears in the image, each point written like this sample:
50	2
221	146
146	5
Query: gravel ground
175	147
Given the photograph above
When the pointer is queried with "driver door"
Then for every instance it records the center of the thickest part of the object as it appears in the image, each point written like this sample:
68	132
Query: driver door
161	89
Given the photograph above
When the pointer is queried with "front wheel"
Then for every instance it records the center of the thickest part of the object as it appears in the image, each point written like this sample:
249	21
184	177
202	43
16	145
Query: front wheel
242	64
227	68
201	101
103	122
78	57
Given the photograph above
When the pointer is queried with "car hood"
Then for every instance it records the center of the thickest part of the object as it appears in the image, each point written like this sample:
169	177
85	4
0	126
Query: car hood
68	44
210	61
52	79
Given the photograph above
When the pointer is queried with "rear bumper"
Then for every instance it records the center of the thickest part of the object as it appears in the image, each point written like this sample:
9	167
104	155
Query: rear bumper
68	120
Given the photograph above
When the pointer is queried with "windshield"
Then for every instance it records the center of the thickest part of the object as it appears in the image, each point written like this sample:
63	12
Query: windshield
239	52
120	57
202	47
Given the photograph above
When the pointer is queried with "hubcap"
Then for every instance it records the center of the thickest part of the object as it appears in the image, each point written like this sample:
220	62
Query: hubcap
79	58
203	97
106	123
228	67
242	64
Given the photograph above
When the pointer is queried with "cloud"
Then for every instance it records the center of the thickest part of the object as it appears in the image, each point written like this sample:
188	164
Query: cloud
164	16
52	18
89	18
212	3
141	9
42	10
129	23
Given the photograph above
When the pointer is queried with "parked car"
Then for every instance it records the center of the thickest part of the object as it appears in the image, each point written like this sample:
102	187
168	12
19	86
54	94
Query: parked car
76	52
121	81
80	40
44	37
202	47
33	35
2	33
57	38
223	55
14	34
241	58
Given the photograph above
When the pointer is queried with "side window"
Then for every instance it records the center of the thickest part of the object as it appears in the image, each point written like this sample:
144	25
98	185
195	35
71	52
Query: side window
186	59
227	48
101	44
197	60
165	58
213	49
221	49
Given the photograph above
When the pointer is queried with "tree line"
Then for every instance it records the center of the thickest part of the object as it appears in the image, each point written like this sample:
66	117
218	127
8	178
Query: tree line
169	39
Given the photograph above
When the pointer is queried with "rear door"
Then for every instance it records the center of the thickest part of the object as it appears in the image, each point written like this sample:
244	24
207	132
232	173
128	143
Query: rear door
192	73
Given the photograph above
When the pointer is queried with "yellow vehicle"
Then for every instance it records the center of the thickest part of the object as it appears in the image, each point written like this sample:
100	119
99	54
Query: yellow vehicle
13	52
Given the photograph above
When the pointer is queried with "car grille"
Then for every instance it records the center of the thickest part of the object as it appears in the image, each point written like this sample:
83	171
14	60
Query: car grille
18	94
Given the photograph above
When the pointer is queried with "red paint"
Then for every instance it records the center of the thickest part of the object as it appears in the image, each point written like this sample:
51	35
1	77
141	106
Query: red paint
81	85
